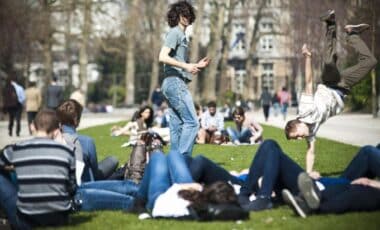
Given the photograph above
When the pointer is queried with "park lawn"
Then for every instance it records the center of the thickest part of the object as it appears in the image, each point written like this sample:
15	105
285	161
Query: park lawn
332	157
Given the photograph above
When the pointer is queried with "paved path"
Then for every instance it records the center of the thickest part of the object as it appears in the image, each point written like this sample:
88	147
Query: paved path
355	129
88	120
349	128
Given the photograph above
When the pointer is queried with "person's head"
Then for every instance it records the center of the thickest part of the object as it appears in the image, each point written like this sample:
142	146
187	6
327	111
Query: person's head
284	88
211	108
69	113
181	12
219	192
46	123
265	89
296	129
238	114
54	79
146	114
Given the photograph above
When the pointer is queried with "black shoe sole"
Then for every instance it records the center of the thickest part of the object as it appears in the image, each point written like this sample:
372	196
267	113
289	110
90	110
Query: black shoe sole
306	187
288	198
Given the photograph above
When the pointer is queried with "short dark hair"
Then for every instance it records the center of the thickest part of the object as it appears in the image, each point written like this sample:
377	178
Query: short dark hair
46	120
238	111
211	104
182	8
291	126
69	112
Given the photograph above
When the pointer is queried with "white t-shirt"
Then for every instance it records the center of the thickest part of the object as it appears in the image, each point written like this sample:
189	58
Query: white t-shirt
315	110
169	204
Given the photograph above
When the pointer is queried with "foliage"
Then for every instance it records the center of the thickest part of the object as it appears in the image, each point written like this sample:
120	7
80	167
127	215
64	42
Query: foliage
331	160
119	91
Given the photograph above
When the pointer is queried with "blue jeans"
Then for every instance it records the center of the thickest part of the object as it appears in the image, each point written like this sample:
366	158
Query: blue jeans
106	195
8	200
243	136
347	197
205	171
277	170
157	176
366	163
183	122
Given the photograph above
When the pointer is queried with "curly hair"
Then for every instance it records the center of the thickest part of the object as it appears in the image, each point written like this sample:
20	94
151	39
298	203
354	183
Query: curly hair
182	8
218	192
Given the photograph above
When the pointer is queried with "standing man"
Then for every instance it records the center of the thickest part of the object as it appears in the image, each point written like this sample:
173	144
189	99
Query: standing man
54	94
266	99
33	103
14	98
183	119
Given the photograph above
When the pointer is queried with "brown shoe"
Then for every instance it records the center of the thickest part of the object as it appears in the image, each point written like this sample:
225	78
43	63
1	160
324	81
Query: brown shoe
356	29
328	16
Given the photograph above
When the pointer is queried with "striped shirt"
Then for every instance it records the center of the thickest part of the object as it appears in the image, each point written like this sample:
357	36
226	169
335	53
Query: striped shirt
45	175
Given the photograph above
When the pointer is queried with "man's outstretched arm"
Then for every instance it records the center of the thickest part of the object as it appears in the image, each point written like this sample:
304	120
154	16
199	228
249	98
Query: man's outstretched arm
308	70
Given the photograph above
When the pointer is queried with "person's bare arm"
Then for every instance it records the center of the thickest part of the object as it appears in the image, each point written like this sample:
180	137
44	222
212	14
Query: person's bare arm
367	182
257	130
193	68
310	156
308	70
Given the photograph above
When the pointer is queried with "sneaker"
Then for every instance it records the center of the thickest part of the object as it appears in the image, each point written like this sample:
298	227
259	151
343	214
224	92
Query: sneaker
309	190
328	16
356	29
261	203
298	204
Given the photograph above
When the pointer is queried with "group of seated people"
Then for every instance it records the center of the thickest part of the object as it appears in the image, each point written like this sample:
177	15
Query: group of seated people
42	181
246	131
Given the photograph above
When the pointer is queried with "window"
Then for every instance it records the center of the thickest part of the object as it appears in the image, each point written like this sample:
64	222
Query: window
267	78
267	43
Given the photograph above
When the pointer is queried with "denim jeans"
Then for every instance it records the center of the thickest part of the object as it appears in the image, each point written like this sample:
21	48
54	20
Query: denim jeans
8	200
205	171
158	178
183	122
366	163
106	195
243	136
277	170
348	197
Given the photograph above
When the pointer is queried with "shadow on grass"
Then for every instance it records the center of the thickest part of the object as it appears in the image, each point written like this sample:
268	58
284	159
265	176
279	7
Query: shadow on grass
80	219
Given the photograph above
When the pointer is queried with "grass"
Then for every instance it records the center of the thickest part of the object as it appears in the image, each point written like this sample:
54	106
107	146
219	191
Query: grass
332	157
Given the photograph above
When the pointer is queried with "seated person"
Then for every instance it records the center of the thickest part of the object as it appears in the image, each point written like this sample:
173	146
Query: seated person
138	125
247	129
40	198
212	124
69	114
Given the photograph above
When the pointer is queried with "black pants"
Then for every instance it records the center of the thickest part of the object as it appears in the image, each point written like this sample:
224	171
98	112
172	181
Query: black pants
31	115
349	198
15	113
47	219
266	111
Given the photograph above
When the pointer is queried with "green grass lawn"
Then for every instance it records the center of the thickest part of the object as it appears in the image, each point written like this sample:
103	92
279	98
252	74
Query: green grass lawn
332	157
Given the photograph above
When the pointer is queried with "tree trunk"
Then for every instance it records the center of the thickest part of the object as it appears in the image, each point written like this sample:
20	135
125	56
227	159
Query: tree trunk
83	56
248	89
209	90
48	61
68	41
373	72
224	78
194	54
130	55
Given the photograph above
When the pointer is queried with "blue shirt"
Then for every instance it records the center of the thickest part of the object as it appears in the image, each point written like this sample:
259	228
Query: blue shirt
176	40
20	92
